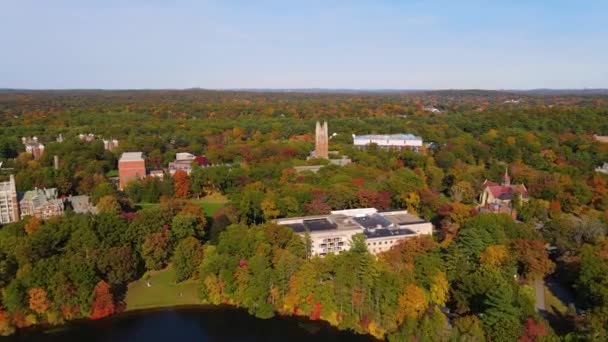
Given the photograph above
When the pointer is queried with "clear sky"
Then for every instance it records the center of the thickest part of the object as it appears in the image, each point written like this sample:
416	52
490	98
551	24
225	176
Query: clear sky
303	44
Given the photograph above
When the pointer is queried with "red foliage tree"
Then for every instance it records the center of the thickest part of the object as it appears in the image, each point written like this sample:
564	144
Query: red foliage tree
533	331
316	311
103	302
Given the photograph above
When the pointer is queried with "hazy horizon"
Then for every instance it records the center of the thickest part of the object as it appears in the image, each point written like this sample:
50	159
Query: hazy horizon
272	45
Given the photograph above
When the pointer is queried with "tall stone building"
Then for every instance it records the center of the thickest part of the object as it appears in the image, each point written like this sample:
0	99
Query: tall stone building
9	205
41	203
321	141
33	146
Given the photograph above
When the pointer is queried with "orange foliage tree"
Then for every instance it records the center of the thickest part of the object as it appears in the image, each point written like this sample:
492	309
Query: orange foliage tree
103	302
38	301
32	225
533	258
182	183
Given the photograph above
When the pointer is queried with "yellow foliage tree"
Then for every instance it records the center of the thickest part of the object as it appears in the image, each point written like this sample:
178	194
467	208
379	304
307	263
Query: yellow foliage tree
412	303
494	256
411	200
439	289
269	208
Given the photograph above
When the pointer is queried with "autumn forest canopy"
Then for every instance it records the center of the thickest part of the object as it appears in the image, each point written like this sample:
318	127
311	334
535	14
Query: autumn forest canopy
476	278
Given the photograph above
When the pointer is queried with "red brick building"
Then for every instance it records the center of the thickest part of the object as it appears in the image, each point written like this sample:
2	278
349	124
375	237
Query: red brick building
131	166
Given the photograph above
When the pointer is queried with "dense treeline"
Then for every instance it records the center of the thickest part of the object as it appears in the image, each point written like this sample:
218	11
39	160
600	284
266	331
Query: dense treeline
472	281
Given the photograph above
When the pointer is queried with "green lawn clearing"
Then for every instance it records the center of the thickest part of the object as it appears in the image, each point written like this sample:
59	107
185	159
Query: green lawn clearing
211	203
163	291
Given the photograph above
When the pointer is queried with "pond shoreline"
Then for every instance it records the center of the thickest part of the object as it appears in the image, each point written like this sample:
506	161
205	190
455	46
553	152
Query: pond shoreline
190	322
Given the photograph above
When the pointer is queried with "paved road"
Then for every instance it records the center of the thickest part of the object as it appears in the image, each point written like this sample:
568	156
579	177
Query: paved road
539	290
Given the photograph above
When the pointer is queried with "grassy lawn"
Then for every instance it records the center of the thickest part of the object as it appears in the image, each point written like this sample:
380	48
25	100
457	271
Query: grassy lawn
112	173
162	292
211	203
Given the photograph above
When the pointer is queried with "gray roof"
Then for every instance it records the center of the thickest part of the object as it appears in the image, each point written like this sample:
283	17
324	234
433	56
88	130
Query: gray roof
81	204
127	156
40	197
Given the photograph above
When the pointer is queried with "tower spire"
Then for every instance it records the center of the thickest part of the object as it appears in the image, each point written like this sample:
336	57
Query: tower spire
506	180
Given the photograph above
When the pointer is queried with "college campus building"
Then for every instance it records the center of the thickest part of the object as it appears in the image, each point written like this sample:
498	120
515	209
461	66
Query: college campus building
497	198
110	144
390	141
131	166
9	205
183	161
333	233
33	146
322	151
41	203
321	141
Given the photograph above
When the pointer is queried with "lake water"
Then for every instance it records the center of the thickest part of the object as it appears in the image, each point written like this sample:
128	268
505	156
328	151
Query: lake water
191	324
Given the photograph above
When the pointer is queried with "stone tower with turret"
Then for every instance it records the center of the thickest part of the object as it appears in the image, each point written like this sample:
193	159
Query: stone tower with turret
321	140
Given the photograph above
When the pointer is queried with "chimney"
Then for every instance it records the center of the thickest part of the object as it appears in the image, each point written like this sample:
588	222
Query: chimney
56	162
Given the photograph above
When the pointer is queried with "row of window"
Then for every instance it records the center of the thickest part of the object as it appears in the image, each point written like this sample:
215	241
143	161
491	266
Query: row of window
386	242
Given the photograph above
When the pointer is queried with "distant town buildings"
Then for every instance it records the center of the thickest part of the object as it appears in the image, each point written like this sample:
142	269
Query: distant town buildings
33	146
60	138
333	233
390	141
498	198
41	203
432	109
602	169
513	101
110	144
131	166
183	161
86	137
9	205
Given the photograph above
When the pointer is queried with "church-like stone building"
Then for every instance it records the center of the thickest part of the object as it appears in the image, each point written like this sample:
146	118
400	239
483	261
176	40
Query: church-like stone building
498	198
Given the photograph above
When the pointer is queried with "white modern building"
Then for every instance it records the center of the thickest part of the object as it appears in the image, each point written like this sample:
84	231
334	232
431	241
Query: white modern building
9	205
333	233
389	141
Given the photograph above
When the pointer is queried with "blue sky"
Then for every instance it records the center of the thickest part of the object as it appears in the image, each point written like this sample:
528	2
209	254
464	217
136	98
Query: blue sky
303	44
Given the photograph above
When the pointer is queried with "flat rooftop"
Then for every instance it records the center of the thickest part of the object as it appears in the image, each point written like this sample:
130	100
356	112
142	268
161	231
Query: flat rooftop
372	221
401	218
387	137
366	220
384	232
129	156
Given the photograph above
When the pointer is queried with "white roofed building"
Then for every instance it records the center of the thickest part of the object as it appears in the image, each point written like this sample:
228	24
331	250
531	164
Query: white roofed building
333	233
389	141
